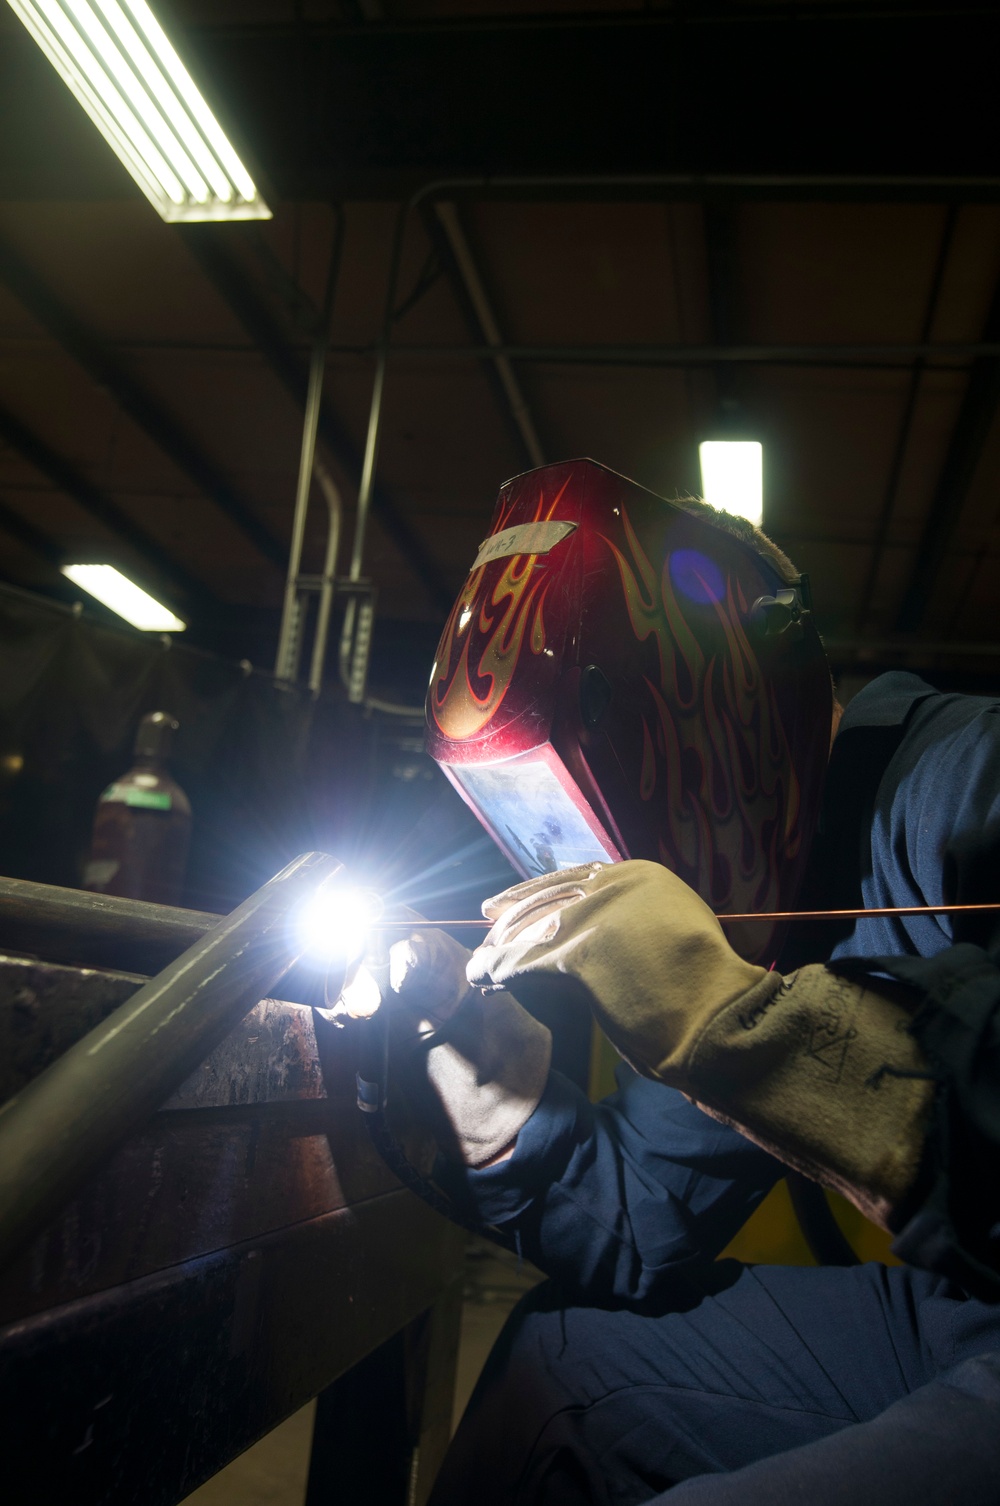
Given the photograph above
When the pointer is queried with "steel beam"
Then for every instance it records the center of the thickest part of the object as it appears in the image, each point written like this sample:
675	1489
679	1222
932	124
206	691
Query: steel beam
668	18
764	96
678	89
939	356
720	253
233	285
444	225
932	355
906	421
30	537
862	652
976	417
66	478
100	364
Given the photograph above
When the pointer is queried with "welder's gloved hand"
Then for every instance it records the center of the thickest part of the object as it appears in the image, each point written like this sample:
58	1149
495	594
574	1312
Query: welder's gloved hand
479	1065
424	972
806	1066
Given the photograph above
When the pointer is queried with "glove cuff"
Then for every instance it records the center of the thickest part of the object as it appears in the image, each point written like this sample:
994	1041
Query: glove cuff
821	1071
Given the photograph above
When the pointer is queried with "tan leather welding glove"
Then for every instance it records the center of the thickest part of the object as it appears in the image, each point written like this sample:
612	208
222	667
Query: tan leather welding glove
808	1066
483	1063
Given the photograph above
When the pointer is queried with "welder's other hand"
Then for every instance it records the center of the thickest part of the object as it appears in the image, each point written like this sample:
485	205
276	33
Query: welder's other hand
479	1065
820	1070
424	973
427	975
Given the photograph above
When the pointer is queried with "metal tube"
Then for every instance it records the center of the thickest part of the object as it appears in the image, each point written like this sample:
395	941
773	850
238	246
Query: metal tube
59	1128
76	926
290	635
949	355
335	511
354	647
375	411
368	469
468	271
346	640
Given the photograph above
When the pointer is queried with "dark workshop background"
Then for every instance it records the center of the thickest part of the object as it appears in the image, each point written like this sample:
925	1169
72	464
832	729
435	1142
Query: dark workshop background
784	218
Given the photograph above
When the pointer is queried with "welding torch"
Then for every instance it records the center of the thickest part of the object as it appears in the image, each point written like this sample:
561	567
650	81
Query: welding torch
344	935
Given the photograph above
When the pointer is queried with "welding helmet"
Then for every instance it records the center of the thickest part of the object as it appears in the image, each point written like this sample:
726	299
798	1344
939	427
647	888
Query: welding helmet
623	677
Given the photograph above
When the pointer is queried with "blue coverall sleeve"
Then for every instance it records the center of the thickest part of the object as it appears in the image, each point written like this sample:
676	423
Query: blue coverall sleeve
936	840
618	1200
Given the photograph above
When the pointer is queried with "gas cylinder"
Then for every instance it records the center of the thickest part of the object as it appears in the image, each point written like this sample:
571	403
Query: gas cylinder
142	825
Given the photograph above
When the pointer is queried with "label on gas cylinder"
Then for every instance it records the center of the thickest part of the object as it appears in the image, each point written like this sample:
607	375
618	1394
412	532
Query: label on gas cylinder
127	794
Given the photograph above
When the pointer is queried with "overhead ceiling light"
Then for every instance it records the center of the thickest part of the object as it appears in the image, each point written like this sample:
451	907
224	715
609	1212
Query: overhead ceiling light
732	476
123	596
118	61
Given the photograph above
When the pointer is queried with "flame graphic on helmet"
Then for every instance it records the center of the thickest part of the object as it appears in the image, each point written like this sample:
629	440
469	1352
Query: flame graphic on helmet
458	708
726	792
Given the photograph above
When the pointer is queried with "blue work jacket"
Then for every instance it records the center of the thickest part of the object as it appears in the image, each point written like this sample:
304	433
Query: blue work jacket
621	1201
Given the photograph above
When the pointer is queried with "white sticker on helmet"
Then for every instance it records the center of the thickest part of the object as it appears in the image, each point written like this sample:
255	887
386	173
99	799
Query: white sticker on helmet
525	538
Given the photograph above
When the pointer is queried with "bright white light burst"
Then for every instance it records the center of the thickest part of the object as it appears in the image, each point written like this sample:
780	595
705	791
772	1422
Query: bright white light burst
335	924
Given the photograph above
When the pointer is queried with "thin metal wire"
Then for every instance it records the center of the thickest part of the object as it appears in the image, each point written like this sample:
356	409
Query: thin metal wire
410	925
859	914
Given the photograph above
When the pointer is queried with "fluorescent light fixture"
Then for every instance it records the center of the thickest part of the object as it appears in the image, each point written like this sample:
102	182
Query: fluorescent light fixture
123	596
116	58
732	476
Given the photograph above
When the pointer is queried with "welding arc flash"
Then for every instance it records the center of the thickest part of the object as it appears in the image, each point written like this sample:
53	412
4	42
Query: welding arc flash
335	924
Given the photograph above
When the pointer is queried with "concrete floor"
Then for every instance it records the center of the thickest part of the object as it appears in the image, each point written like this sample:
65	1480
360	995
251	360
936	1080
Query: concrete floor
274	1471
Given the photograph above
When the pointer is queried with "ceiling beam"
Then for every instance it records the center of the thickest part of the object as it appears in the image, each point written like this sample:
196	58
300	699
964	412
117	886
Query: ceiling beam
719	220
65	477
866	599
98	360
976	416
236	288
443	222
30	537
763	99
671	16
939	356
361	111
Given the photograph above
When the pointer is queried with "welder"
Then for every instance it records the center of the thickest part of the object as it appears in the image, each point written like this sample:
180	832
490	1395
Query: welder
633	697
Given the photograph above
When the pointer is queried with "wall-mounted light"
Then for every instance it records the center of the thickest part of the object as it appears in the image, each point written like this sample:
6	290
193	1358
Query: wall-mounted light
732	476
116	58
114	590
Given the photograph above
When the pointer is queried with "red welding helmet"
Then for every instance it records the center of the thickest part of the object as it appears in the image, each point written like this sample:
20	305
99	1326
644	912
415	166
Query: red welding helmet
623	678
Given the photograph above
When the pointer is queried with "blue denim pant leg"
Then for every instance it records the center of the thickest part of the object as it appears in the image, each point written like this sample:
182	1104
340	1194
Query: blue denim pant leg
586	1406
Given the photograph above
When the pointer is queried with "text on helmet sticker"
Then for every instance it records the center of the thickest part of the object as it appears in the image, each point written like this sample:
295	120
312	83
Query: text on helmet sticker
525	538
